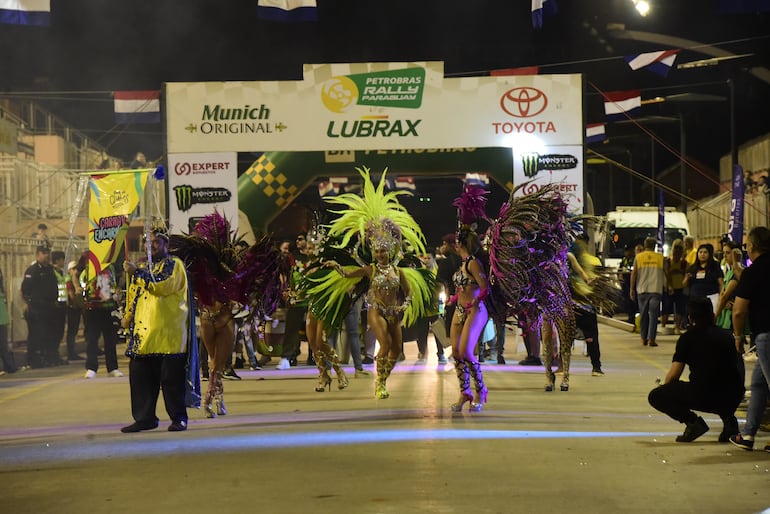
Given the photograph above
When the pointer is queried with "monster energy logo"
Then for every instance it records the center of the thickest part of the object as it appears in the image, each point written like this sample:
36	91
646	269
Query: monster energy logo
187	196
534	162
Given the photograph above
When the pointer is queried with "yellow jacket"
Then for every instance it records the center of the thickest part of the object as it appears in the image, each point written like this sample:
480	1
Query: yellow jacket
157	309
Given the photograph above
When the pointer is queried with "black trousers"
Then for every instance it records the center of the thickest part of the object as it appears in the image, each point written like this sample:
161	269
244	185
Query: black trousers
73	325
147	376
58	321
678	399
9	364
99	322
39	333
295	323
588	324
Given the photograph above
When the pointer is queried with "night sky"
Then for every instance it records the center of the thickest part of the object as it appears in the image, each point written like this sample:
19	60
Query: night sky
94	47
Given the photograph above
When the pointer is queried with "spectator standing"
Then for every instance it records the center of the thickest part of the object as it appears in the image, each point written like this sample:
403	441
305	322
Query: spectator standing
647	286
41	236
716	376
624	274
75	307
100	301
674	300
724	310
6	355
352	325
752	301
446	267
705	277
40	292
296	309
690	252
59	320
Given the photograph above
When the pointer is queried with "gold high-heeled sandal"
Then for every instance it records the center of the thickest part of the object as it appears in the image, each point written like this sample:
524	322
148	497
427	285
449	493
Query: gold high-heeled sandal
324	381
219	401
342	378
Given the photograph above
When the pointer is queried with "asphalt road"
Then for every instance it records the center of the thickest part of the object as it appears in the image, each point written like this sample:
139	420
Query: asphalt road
285	448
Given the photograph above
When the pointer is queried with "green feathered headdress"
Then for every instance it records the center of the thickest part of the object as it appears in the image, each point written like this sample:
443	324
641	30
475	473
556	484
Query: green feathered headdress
376	217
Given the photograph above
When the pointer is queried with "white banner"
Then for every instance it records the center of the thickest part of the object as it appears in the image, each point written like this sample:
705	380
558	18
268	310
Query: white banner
560	165
375	106
198	184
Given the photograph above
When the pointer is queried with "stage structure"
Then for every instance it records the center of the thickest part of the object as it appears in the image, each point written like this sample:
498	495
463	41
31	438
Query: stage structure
406	116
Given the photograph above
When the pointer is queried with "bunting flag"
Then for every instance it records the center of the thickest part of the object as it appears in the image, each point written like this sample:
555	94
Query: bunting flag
332	187
114	198
595	133
476	179
137	107
25	12
661	220
541	8
656	62
405	184
619	105
287	10
524	70
735	229
400	183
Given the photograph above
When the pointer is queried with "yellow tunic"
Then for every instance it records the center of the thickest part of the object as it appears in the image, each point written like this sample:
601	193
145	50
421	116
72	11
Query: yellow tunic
157	309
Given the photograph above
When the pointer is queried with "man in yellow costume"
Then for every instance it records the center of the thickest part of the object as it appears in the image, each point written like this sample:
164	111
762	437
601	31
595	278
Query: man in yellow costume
159	331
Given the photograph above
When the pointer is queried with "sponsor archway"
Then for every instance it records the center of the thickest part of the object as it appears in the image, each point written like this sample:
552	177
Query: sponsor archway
407	117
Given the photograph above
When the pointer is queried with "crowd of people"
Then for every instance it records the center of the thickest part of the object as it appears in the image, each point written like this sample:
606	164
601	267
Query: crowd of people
719	306
366	273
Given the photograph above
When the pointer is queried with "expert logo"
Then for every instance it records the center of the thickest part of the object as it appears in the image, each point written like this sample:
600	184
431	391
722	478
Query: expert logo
200	168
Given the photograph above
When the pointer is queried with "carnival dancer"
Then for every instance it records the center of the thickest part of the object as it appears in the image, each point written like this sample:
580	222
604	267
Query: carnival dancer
224	278
471	289
324	355
528	249
395	294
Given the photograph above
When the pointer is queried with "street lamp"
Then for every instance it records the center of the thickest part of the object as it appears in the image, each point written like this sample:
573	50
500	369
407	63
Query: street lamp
642	7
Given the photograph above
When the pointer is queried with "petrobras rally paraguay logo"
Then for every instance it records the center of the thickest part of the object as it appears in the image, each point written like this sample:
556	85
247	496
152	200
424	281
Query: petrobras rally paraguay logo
390	88
187	196
533	162
523	103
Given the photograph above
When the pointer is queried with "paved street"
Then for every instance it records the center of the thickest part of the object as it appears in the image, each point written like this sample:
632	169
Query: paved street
285	448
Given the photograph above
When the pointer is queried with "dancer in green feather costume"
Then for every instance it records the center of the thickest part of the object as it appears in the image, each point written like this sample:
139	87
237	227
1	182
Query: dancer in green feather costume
395	295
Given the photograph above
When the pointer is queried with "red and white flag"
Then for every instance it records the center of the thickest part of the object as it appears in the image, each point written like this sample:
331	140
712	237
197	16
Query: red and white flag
656	62
619	105
137	107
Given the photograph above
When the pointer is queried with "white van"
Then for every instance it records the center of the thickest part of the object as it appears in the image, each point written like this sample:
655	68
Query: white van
631	225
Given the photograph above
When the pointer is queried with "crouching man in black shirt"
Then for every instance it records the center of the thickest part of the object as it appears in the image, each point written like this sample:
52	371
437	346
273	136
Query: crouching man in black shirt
716	376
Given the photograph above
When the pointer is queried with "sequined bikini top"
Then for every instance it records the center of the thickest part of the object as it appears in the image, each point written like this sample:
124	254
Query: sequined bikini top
384	282
462	277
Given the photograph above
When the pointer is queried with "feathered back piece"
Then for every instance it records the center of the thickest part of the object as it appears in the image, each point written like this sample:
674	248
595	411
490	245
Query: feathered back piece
528	249
470	205
376	217
602	292
224	270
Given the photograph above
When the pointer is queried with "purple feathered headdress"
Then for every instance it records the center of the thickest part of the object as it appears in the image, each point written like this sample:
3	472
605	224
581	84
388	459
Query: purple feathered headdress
470	205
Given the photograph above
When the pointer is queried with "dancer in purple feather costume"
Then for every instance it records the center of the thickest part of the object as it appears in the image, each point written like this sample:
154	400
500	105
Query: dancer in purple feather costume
226	278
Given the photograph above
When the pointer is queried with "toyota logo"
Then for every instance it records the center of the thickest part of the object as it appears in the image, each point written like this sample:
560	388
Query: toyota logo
524	102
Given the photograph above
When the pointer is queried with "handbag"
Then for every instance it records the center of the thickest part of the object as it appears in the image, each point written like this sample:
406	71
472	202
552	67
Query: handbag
438	327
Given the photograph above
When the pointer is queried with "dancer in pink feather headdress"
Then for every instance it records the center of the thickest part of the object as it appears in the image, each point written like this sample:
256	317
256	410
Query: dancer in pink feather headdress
471	290
225	278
